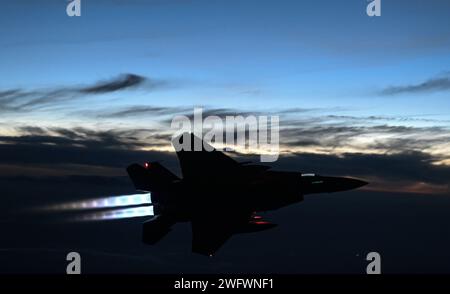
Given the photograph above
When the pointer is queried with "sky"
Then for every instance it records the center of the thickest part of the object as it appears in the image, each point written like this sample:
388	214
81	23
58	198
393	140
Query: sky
83	97
342	82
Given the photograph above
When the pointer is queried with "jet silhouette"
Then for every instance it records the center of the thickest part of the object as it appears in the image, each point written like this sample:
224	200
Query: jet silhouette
220	196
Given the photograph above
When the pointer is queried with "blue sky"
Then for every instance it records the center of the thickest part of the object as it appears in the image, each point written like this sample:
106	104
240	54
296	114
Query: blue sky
324	56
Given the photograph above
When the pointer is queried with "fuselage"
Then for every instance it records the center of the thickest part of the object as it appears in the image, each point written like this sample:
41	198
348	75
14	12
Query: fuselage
264	191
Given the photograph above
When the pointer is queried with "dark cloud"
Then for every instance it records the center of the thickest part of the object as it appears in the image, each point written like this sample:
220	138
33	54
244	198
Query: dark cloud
25	130
119	83
71	137
89	138
58	148
144	110
27	100
410	166
159	111
431	85
294	135
407	143
337	131
327	131
8	93
42	99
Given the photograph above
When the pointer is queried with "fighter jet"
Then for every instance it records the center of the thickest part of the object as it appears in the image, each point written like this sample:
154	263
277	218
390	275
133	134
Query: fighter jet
219	196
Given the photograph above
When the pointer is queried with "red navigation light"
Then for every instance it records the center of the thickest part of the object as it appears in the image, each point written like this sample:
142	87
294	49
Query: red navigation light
146	165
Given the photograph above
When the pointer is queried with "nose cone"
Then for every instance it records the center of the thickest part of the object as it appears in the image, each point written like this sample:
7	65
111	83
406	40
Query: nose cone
319	184
343	184
355	183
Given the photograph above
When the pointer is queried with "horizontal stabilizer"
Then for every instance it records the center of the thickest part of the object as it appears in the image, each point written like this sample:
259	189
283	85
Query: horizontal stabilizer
156	228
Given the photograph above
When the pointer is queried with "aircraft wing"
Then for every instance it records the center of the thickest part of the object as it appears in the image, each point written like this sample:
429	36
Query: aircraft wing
209	233
213	176
156	228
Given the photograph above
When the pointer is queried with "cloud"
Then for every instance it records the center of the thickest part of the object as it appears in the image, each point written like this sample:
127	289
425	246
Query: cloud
305	133
140	110
432	85
161	112
120	83
372	134
82	146
409	172
412	166
83	137
310	133
87	152
15	100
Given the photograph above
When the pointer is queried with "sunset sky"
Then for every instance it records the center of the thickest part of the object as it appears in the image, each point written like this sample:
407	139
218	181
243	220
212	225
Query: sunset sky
345	85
